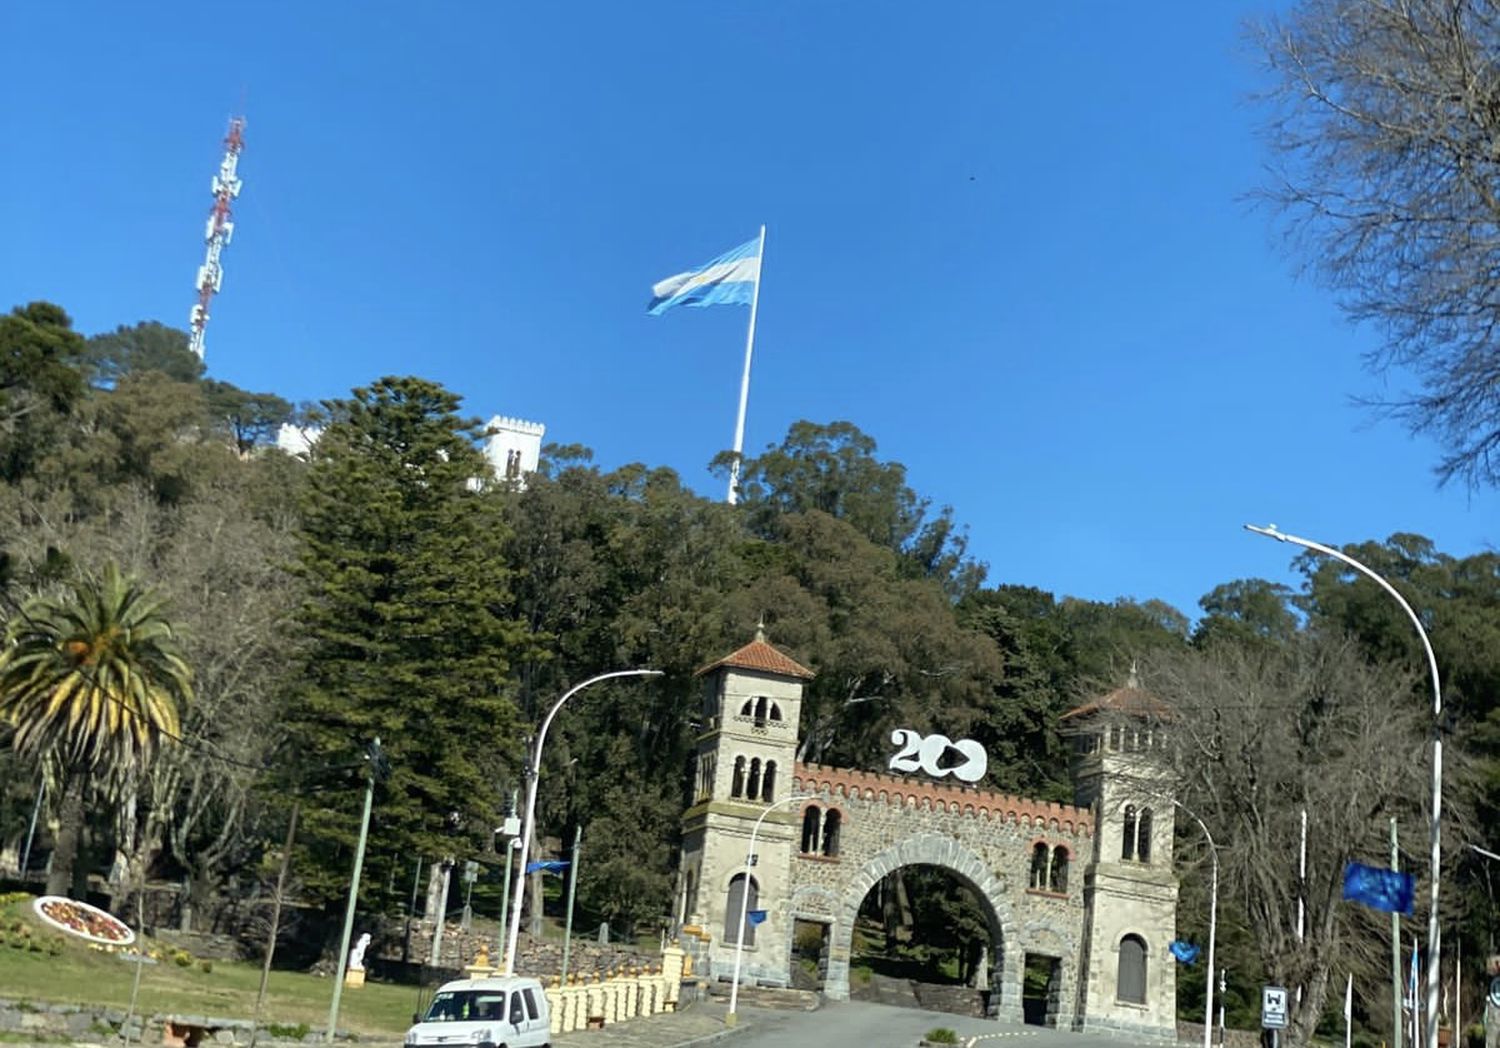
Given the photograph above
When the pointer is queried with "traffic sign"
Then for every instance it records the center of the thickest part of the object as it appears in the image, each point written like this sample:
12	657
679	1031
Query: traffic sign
1273	1008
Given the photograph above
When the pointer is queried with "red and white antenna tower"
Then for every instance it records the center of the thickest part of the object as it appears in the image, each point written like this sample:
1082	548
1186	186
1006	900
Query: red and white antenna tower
226	186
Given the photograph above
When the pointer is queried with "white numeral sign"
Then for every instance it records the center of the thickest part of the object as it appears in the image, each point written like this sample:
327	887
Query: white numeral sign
926	755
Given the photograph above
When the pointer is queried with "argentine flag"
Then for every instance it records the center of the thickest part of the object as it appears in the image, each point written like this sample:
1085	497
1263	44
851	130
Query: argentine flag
728	280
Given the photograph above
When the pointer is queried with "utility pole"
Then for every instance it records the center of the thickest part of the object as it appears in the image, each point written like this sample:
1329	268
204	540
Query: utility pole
378	767
572	891
1396	994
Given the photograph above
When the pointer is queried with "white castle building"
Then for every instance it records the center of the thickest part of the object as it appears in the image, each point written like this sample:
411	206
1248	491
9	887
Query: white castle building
512	446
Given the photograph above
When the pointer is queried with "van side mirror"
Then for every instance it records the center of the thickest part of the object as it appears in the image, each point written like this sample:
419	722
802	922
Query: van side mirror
416	1017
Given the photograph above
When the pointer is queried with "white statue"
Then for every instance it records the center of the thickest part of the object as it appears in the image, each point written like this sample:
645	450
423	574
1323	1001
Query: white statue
357	955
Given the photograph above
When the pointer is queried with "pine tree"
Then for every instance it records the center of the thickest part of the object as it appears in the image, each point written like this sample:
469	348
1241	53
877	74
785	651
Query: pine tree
409	631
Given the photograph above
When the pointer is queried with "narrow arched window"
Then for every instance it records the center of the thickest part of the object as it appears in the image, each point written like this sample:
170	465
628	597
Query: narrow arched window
1130	983
760	712
1039	865
1057	877
811	829
775	711
1143	837
747	708
1127	838
733	909
768	783
737	786
752	788
832	821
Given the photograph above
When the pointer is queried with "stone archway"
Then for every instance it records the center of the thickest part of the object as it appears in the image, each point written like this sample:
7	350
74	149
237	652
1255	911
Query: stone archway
930	849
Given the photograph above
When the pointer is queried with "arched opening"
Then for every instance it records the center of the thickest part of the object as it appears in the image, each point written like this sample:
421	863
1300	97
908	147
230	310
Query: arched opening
930	926
732	910
737	786
832	822
760	712
1057	878
752	785
1130	981
811	829
1127	836
775	711
768	783
1143	837
1039	865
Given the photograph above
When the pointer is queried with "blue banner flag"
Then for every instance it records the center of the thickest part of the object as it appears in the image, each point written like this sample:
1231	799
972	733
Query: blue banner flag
755	916
728	280
1390	891
547	866
1185	952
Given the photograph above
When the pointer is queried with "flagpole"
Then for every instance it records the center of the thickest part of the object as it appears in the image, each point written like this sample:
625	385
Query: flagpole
739	425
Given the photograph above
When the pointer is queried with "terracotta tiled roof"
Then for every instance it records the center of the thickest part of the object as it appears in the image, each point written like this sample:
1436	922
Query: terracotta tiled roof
1128	700
758	655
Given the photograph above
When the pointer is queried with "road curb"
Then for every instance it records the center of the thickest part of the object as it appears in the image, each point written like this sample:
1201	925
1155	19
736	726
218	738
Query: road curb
717	1036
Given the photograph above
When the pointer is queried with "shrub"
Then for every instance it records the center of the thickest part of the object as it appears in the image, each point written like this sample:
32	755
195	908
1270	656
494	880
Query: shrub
940	1035
809	940
206	965
182	959
281	1032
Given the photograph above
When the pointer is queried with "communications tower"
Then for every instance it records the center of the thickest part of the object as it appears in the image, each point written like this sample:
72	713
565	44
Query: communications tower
226	186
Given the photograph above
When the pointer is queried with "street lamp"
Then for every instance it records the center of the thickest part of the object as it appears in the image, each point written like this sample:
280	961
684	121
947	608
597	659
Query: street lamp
1213	924
1437	758
739	944
533	770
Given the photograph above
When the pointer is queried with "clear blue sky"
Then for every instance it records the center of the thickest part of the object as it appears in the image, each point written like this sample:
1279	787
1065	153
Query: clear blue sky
1008	241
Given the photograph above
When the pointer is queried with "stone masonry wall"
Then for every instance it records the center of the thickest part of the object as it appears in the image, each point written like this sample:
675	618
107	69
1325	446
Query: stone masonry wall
986	837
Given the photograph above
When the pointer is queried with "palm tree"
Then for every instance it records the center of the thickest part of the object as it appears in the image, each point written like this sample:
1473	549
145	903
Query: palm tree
91	682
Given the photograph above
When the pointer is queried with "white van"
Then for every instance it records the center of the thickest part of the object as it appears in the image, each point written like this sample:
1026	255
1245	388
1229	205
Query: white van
488	1013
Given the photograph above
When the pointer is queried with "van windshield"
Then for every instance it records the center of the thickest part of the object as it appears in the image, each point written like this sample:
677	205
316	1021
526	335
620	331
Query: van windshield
466	1006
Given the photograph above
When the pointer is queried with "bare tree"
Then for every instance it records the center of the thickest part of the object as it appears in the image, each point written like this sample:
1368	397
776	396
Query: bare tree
1263	732
1386	132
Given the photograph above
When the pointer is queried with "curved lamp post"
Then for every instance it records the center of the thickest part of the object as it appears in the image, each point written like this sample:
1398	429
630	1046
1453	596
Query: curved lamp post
1431	1009
739	945
533	770
1213	924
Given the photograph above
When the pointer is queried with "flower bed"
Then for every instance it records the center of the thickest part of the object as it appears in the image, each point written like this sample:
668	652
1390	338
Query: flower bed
81	919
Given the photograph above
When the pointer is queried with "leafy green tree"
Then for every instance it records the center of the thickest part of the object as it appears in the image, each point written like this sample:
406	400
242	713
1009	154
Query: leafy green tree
408	627
250	419
1244	609
887	647
91	683
39	383
147	346
832	468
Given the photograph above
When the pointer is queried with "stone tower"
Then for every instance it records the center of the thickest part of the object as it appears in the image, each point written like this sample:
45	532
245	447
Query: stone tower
752	704
1128	981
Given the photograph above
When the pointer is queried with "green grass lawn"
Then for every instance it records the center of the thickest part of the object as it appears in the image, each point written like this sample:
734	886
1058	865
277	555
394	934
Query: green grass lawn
80	975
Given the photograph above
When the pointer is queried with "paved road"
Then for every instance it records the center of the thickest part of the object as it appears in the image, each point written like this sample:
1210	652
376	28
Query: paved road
858	1024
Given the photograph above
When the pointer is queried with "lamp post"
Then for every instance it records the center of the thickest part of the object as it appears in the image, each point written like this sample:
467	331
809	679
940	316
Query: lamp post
1436	830
378	769
739	943
1213	925
528	826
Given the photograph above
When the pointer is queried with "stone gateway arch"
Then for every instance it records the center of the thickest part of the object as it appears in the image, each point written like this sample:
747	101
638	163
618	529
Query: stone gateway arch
1086	888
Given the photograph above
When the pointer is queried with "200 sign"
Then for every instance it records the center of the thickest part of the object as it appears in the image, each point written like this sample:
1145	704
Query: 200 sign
926	755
